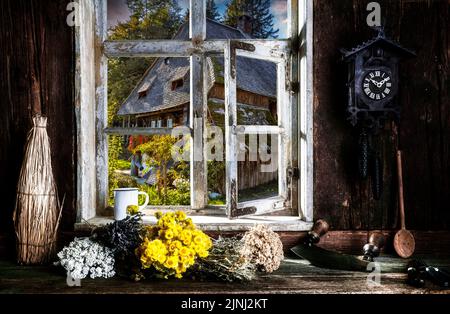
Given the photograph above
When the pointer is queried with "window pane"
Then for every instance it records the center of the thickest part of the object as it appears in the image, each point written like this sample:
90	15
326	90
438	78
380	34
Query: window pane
166	19
216	130
148	92
146	19
266	19
256	105
147	163
256	91
257	167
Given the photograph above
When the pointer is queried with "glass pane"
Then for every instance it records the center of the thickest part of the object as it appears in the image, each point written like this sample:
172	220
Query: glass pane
216	131
166	19
256	91
257	167
146	19
147	163
256	105
148	92
266	19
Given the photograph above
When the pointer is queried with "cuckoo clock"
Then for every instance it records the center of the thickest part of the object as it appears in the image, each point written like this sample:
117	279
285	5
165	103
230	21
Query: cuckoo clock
373	81
373	92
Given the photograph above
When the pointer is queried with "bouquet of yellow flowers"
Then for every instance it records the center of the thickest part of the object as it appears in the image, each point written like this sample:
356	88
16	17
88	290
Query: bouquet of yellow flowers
173	245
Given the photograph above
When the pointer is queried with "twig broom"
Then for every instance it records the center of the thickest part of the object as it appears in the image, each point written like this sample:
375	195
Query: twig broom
38	211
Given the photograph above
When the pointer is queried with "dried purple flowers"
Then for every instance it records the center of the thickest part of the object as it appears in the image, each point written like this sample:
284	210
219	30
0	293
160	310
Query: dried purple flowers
122	237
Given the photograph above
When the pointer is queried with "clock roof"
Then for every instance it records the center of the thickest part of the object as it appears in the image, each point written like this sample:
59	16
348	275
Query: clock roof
382	41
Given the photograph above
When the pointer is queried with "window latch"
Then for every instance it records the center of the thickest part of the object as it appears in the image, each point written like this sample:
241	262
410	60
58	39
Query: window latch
295	87
293	173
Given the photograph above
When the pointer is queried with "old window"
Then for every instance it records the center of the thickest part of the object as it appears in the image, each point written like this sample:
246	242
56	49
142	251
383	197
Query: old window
177	84
225	73
143	90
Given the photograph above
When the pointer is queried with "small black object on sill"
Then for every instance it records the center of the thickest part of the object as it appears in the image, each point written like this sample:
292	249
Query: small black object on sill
419	272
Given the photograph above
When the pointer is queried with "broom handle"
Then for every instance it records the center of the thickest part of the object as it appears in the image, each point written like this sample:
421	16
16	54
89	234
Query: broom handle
36	87
400	189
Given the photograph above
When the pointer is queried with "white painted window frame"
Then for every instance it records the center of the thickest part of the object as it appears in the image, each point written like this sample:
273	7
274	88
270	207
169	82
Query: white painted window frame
91	100
281	56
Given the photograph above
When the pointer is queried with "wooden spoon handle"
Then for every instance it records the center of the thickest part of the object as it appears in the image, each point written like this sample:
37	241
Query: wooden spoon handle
400	190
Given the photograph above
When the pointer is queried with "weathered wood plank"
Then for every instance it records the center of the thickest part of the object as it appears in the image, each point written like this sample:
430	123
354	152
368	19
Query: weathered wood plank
85	113
294	276
294	33
138	131
55	92
306	135
153	48
198	108
340	197
231	184
101	85
184	48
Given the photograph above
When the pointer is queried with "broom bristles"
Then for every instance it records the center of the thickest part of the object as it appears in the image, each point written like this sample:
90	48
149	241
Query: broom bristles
38	211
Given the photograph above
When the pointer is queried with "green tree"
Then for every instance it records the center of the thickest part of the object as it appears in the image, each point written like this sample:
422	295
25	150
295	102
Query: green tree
150	19
159	149
259	12
211	11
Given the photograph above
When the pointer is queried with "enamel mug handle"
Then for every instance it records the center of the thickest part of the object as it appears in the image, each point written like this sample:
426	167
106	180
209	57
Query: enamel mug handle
147	200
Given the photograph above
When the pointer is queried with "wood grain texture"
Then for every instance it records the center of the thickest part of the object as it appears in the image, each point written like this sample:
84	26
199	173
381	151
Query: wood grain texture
295	276
35	32
340	197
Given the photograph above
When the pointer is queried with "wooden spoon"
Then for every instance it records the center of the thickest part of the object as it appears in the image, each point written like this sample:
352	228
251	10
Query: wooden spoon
404	242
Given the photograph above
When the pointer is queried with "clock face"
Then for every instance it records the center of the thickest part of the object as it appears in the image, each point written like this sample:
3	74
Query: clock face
377	85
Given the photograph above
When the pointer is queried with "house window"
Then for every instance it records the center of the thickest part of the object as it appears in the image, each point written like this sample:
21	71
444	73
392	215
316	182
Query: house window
143	90
213	62
153	124
177	84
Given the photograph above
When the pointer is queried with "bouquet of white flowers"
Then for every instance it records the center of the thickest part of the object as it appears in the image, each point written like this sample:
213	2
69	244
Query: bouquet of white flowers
84	257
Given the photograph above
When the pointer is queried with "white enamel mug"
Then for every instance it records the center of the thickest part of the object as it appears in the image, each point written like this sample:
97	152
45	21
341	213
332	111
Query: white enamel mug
126	197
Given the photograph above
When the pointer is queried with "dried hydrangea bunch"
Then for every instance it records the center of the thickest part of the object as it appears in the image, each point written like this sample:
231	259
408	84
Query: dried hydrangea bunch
263	248
84	257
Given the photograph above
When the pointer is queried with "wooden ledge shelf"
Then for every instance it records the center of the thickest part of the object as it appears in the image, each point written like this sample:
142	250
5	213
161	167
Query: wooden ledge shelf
218	223
295	276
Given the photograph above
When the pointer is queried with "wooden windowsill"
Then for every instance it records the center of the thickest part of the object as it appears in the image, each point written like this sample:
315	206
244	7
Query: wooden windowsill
218	223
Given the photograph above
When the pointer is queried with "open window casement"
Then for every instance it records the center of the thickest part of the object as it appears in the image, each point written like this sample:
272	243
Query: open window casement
278	136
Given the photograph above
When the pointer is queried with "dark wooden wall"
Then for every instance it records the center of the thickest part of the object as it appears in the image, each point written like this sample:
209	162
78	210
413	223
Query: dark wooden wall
34	33
425	126
339	196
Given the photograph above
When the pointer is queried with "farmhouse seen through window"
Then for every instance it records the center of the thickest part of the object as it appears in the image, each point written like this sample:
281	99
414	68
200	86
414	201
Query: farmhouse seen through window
231	86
